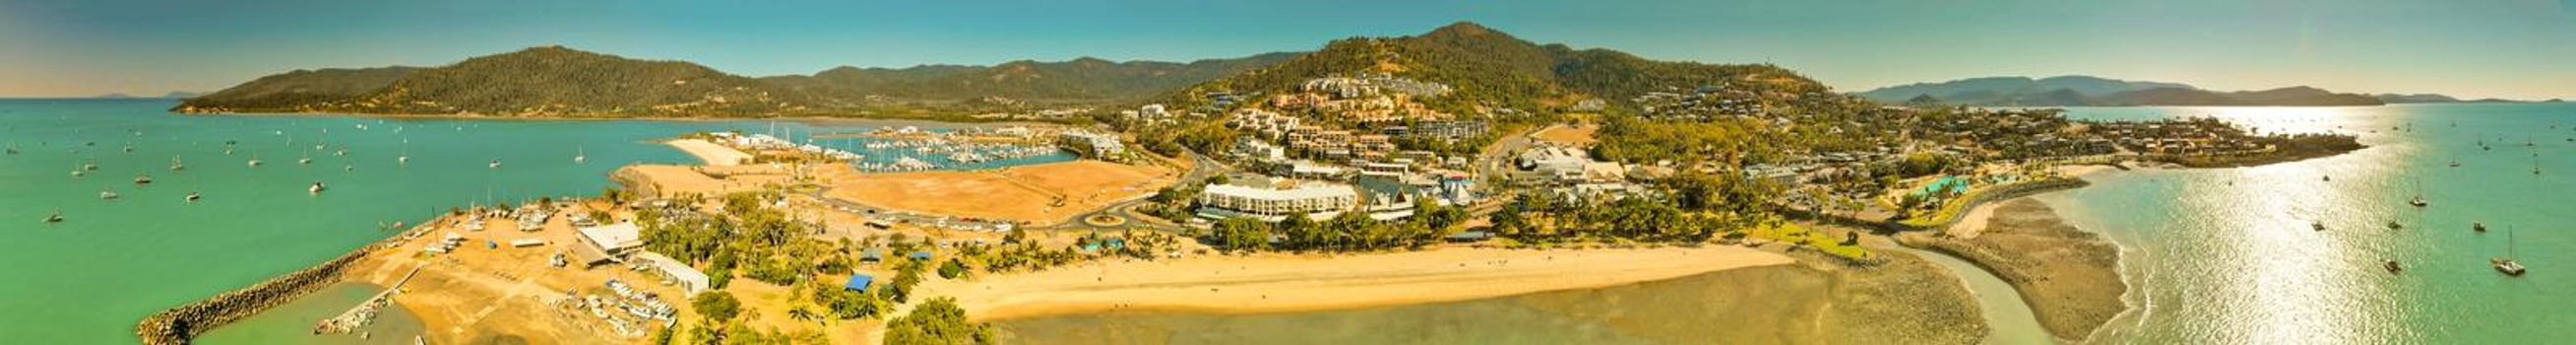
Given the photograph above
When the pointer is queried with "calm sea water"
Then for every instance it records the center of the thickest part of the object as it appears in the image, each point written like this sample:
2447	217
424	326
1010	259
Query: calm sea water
2227	255
2222	256
88	279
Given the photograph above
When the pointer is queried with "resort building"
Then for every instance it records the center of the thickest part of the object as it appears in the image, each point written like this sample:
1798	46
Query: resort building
608	243
1316	199
1089	144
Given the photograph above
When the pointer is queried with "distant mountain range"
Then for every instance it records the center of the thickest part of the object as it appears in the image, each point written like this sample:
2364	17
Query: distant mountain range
172	94
558	81
2096	91
1487	68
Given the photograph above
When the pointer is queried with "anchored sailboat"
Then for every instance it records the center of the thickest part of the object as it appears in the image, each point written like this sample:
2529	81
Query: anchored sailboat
578	156
2506	264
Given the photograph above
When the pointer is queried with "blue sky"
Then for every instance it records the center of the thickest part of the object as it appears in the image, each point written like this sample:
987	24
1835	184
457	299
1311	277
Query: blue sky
2472	48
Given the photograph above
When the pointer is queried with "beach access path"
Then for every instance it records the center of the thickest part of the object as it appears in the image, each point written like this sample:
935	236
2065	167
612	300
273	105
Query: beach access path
1264	283
711	153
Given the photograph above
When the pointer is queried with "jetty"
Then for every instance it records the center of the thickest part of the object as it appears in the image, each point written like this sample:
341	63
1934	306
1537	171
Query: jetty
365	312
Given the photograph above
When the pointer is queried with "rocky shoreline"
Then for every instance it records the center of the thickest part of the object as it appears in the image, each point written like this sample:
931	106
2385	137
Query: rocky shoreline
178	325
2070	277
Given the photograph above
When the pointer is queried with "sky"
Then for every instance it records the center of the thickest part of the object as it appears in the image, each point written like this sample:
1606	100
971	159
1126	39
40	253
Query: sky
2524	49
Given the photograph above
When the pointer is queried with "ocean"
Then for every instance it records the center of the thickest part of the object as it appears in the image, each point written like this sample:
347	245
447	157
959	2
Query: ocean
88	279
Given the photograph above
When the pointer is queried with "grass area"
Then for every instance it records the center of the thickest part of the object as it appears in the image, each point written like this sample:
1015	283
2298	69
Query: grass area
1821	240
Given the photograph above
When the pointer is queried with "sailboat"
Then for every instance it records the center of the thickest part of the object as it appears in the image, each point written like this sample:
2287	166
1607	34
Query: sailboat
56	217
142	179
176	165
496	163
2419	195
193	196
578	156
316	189
2506	264
2479	226
106	195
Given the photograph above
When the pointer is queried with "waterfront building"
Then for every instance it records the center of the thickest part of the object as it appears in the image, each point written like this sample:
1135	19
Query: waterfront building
1316	199
608	243
1097	145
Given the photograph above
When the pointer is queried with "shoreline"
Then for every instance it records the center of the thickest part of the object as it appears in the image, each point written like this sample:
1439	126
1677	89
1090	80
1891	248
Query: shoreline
799	119
2070	278
1801	297
1278	283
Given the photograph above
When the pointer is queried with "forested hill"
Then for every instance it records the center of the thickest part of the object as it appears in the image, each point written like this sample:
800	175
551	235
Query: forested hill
557	81
1079	81
1489	67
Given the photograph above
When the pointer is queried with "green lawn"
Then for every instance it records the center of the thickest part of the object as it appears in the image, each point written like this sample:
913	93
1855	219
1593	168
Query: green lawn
1827	242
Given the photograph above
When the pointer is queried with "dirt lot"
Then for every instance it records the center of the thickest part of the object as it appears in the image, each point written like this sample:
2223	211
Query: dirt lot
1040	194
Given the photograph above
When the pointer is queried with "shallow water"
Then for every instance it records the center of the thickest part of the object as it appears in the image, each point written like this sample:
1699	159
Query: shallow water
2227	255
87	280
293	323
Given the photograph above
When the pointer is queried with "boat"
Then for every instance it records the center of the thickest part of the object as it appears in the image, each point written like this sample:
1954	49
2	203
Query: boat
2506	264
142	179
176	165
305	160
193	196
316	189
404	159
496	163
2392	266
56	217
2478	226
2317	225
89	166
107	195
2393	225
579	156
2419	195
13	150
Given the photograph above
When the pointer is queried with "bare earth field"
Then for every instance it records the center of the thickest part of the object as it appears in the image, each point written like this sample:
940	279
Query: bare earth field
1039	194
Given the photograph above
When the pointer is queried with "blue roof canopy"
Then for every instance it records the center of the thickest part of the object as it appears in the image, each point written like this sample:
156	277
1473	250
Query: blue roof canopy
859	282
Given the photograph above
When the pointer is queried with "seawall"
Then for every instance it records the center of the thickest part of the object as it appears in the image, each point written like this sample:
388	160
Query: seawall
179	324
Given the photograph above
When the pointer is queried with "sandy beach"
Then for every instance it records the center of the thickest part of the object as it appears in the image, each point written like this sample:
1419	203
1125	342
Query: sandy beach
1905	301
2070	277
712	154
1285	283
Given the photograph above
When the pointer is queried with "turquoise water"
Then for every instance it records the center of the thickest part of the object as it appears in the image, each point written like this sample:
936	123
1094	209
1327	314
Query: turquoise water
88	279
2227	255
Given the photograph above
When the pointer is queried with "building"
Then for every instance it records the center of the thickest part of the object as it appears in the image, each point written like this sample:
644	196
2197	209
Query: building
687	278
1315	199
1090	144
1556	162
859	282
608	243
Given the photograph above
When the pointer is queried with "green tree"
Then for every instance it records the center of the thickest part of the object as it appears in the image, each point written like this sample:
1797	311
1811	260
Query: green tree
716	305
938	321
